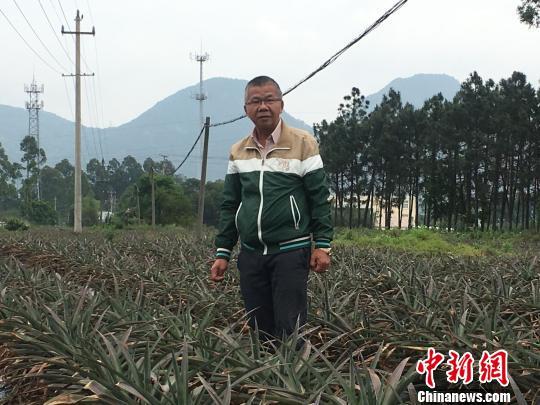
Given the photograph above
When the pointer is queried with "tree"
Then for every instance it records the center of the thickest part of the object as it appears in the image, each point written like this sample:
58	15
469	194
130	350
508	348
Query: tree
33	156
342	141
9	173
148	163
57	188
121	175
172	204
54	187
98	176
212	202
32	159
89	213
40	212
529	12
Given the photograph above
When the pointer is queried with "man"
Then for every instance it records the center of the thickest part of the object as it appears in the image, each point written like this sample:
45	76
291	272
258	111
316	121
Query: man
276	201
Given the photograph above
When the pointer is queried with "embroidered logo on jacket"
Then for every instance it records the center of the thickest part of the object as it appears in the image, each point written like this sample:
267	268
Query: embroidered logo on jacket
283	164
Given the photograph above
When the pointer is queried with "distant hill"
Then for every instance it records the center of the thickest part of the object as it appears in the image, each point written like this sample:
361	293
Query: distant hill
171	125
418	88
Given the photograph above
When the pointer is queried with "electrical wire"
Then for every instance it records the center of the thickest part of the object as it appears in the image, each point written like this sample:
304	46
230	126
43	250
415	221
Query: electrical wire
54	32
28	45
191	150
58	18
335	56
91	120
100	118
327	63
38	37
64	14
69	100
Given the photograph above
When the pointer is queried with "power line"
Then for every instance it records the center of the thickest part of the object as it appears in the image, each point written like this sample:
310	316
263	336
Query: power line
54	32
64	14
100	118
28	45
37	36
191	150
91	120
333	58
58	17
327	63
69	100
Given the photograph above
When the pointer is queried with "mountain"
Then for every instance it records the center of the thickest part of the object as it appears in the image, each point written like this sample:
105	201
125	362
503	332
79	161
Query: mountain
171	126
418	88
168	128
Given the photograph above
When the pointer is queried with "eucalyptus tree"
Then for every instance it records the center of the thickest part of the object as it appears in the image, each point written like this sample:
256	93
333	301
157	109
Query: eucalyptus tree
9	173
33	158
529	12
98	176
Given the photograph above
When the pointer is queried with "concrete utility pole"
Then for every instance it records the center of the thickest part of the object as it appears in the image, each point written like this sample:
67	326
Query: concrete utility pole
138	205
77	214
202	186
33	106
153	196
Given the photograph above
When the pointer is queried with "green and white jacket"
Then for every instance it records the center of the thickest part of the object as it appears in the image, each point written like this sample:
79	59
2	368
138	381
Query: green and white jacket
278	203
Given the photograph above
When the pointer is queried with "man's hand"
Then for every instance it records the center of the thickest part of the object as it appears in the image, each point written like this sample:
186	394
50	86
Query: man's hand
320	260
218	269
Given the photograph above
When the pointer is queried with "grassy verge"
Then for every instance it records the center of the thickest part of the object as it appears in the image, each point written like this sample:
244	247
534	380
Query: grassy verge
428	241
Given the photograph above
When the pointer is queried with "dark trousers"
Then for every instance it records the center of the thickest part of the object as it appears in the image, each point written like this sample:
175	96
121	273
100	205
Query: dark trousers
274	289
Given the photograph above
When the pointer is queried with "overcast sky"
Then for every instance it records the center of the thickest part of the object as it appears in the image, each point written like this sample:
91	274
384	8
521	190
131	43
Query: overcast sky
143	48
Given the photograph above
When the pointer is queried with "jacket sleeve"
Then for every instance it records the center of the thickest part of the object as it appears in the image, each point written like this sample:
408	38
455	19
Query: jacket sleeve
228	234
317	192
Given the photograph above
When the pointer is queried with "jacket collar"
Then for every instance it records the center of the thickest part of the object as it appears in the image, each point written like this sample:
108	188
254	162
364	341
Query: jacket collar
285	139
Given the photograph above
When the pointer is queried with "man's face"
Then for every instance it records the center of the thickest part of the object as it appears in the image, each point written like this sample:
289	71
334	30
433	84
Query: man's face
263	105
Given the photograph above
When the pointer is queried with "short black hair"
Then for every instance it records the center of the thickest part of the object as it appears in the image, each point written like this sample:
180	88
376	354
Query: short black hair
260	81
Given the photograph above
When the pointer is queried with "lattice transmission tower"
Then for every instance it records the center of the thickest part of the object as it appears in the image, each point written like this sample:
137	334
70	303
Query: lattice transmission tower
34	105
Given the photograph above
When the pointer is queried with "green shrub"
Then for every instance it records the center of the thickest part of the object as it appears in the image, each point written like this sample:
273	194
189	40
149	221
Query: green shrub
40	212
16	224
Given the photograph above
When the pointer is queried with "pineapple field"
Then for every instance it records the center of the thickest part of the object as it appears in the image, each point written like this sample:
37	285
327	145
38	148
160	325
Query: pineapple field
130	317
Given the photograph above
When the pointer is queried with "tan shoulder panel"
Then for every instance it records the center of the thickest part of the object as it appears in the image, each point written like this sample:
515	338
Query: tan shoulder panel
304	144
239	151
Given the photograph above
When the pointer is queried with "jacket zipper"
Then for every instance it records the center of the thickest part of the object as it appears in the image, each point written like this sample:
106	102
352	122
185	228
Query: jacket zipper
261	178
259	216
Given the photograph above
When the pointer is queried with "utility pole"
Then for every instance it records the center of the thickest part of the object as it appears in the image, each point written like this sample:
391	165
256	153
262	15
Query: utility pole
138	205
201	96
77	214
153	196
203	175
33	106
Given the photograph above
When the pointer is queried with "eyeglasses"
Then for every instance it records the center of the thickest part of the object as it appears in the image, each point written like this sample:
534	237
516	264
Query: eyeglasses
258	101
